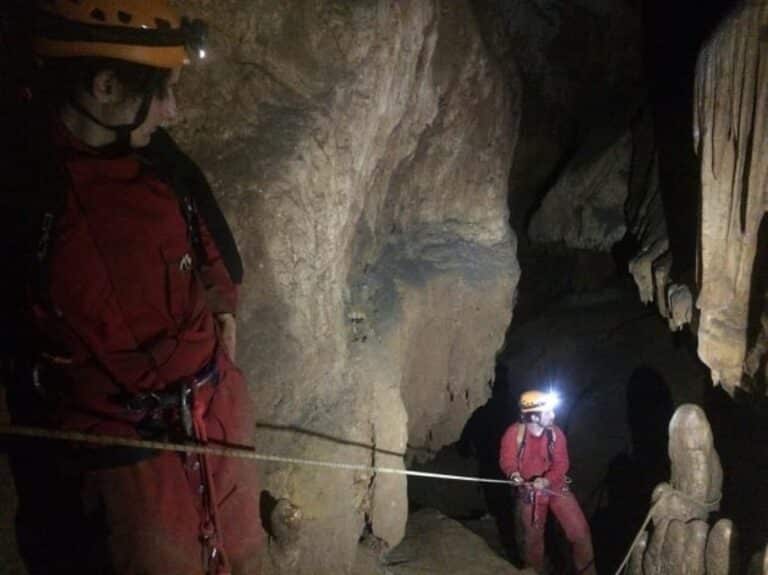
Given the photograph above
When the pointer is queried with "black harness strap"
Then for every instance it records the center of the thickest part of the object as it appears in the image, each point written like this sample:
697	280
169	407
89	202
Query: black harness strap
196	198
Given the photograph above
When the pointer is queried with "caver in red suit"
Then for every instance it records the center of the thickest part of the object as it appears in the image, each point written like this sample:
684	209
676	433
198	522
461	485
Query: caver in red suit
133	305
133	299
545	456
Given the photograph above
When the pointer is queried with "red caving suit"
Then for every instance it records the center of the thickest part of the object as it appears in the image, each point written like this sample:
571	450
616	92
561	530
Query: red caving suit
137	316
534	460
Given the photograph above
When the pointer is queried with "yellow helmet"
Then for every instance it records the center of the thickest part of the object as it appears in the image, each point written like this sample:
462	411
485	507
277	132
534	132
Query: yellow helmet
147	32
534	400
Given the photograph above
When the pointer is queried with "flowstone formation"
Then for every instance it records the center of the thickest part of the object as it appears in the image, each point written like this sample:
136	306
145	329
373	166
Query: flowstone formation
361	152
730	137
681	540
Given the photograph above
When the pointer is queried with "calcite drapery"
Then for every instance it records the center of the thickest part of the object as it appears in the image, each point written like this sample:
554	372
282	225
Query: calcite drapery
731	135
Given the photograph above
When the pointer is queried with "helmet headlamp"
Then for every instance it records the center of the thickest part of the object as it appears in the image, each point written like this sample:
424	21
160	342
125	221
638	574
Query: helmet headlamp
532	401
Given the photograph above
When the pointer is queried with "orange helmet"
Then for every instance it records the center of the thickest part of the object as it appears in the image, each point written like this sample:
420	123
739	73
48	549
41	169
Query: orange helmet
532	401
147	32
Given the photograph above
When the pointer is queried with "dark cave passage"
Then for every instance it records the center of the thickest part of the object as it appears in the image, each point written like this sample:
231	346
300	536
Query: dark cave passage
620	373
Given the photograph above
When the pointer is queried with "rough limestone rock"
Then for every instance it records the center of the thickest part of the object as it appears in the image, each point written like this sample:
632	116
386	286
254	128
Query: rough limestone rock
361	152
436	544
585	208
731	136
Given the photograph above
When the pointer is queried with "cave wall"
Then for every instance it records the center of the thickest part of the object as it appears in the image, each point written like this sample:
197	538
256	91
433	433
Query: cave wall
580	64
361	152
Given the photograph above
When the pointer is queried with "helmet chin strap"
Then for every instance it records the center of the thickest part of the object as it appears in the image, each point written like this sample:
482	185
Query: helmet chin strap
122	143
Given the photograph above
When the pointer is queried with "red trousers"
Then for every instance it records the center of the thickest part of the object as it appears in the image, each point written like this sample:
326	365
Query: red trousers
153	509
532	518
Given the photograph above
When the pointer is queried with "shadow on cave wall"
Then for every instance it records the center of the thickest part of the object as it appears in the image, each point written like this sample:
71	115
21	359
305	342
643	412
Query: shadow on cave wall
625	493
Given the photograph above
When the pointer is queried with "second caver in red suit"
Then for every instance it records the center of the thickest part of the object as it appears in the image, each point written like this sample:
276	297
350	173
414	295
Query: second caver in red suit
545	456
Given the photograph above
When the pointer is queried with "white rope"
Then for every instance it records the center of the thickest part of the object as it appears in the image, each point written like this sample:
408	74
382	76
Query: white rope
235	452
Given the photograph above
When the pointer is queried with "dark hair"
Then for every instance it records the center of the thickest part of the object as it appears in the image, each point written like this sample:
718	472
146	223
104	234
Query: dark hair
61	78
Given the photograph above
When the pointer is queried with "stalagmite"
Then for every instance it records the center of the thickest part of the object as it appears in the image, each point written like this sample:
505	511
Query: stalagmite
721	554
695	464
731	136
679	542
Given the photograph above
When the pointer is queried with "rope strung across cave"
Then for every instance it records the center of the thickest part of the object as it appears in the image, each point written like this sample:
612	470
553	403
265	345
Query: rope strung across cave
234	452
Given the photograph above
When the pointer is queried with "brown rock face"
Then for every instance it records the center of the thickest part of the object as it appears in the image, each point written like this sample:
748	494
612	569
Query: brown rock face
731	137
361	151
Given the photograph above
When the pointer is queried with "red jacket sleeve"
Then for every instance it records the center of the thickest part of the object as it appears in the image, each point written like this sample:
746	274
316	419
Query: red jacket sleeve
508	451
221	291
560	462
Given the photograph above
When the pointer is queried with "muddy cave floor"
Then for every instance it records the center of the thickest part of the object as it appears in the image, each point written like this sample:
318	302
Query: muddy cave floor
621	373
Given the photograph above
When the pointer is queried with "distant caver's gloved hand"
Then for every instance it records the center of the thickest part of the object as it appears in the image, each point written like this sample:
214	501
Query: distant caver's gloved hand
516	478
540	483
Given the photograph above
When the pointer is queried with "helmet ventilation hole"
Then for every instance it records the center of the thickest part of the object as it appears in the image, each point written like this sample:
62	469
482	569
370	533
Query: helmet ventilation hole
162	24
97	14
124	17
